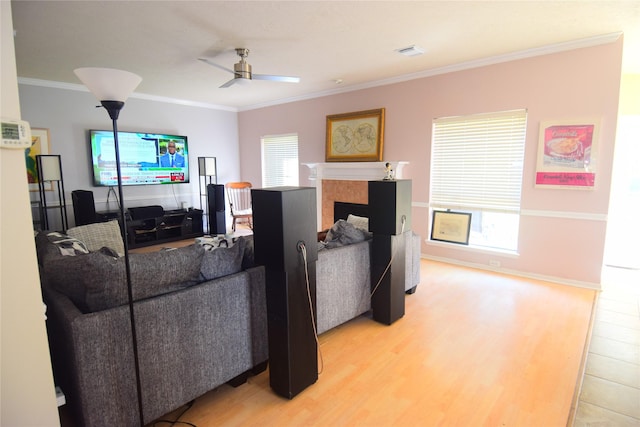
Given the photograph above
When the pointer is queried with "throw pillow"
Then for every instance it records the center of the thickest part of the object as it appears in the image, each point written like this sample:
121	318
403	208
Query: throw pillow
222	261
99	235
68	246
361	222
343	233
69	275
97	281
45	249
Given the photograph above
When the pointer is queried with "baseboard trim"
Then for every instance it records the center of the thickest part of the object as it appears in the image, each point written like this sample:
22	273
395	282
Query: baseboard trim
551	279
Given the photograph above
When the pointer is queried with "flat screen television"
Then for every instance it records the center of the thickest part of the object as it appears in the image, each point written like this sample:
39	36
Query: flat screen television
145	158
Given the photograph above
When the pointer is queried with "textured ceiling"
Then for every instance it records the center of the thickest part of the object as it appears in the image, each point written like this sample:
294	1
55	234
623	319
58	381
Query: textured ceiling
319	41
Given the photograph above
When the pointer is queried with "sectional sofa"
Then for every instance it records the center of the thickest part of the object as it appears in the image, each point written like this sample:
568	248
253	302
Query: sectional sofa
200	316
200	322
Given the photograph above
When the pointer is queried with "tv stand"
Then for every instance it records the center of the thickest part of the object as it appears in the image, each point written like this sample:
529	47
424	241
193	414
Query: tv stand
153	225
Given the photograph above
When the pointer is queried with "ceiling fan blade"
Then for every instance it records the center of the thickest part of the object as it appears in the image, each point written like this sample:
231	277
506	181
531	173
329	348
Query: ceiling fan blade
286	79
230	82
205	60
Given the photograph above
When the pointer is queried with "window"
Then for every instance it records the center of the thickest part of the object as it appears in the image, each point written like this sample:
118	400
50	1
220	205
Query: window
476	166
280	160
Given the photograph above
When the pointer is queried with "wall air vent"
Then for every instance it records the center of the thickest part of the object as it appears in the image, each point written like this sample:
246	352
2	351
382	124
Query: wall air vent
412	50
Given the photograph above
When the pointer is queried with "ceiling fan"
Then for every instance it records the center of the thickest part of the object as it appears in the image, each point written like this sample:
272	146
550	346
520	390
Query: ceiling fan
242	71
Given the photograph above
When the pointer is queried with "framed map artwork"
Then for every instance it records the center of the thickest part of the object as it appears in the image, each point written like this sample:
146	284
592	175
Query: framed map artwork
355	137
39	145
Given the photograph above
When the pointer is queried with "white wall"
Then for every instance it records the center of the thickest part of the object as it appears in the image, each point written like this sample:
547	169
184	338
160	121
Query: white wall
26	380
69	114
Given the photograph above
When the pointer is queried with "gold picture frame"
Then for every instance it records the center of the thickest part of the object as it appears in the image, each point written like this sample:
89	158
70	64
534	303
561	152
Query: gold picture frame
355	137
40	144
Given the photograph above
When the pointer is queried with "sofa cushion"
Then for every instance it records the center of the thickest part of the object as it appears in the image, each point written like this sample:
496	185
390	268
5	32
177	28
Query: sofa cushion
97	281
222	261
248	259
99	235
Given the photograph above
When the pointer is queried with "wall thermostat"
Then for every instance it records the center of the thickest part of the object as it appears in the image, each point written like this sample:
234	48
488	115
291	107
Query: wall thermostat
15	134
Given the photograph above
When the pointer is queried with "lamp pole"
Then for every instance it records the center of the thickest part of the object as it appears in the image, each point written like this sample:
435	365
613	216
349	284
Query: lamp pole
113	108
112	88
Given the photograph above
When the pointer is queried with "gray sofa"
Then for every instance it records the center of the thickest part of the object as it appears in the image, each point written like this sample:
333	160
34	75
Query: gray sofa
199	325
197	328
343	280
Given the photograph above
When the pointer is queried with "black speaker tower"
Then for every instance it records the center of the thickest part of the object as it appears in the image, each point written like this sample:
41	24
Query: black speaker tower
84	208
216	209
284	219
390	223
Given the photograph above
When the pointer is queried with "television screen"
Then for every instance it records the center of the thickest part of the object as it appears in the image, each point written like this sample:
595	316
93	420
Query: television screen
145	158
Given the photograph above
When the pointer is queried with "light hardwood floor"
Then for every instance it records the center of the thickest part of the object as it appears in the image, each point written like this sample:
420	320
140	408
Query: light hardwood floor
474	348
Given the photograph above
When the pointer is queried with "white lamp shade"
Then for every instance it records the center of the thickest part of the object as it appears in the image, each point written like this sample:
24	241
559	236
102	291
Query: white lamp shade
108	84
49	168
207	166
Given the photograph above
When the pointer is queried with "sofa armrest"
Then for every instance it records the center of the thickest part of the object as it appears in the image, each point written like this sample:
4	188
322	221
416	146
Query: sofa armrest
77	341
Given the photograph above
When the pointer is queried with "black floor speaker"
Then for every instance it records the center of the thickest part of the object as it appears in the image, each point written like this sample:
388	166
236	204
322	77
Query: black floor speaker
216	209
84	208
390	223
388	277
284	221
390	206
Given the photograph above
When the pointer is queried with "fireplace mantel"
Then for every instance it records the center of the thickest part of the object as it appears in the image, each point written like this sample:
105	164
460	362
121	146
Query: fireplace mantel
346	171
353	171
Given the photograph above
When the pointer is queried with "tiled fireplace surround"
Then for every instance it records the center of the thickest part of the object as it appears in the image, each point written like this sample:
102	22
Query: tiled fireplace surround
345	182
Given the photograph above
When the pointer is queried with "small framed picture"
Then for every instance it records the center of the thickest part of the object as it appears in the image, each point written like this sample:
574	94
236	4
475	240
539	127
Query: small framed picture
452	227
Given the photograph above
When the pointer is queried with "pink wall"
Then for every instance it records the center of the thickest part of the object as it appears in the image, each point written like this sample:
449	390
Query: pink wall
562	231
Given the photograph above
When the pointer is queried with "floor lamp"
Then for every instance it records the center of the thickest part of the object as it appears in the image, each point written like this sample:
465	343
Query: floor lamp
112	88
50	171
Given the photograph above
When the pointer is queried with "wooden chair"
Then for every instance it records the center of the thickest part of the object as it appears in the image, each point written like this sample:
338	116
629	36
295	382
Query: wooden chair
239	195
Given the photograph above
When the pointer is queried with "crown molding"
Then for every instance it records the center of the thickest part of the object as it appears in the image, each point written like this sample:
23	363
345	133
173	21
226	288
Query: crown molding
136	95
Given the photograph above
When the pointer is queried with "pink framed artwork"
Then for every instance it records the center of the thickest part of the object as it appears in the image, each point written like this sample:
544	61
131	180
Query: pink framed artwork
567	153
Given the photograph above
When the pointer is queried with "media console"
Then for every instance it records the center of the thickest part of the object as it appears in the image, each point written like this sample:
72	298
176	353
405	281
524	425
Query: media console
152	225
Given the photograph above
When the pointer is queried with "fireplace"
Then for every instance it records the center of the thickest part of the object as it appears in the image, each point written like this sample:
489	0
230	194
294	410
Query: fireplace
345	182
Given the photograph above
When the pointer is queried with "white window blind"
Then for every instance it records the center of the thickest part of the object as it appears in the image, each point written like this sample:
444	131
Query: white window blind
280	160
477	161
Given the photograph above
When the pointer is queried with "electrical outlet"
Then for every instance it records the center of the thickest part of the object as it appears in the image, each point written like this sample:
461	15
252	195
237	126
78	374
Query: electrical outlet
494	263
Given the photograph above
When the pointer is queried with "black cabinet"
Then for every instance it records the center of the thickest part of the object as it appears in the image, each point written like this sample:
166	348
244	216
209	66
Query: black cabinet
172	225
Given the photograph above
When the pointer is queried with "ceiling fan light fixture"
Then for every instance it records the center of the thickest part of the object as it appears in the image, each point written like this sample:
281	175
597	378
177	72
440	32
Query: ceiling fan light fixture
242	70
242	73
412	50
